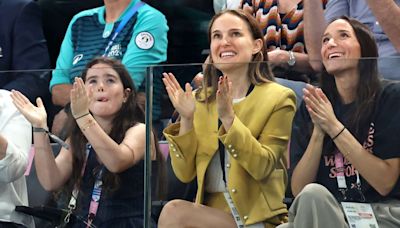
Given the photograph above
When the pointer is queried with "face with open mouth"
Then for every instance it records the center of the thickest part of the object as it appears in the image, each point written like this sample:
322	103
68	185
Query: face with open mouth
340	48
107	90
232	44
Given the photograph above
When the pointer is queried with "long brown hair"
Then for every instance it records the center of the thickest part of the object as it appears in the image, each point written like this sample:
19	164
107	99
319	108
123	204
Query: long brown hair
130	114
368	89
259	71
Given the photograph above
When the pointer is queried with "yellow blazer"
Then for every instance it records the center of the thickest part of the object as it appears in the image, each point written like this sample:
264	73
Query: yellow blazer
256	142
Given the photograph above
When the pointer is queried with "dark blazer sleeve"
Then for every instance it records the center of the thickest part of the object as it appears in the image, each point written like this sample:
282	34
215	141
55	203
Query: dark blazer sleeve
29	52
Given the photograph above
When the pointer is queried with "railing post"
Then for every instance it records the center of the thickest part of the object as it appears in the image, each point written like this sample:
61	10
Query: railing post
147	160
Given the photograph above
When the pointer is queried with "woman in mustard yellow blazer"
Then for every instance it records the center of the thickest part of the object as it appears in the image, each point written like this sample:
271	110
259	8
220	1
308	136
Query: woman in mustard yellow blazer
232	135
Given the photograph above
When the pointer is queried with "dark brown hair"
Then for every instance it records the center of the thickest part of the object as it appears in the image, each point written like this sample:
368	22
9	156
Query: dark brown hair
259	71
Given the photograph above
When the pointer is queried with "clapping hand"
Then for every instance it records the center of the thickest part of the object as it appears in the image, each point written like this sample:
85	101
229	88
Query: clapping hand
320	108
224	102
79	99
36	115
182	101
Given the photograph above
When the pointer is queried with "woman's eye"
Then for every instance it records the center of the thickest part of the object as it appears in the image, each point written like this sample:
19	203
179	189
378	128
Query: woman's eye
92	81
325	40
216	36
344	35
236	34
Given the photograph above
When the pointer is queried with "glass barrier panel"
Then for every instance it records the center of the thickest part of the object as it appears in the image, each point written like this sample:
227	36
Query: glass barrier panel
148	181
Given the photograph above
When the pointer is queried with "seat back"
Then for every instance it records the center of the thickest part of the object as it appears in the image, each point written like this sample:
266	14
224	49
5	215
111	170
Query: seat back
37	196
163	144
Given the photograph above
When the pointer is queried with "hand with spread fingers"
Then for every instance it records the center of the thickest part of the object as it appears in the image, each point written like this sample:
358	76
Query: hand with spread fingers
36	115
80	99
224	102
320	109
182	101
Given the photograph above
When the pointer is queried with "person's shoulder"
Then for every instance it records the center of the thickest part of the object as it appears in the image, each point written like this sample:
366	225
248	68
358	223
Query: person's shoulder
137	128
389	98
149	11
275	89
5	100
14	7
4	93
390	88
15	3
276	94
88	12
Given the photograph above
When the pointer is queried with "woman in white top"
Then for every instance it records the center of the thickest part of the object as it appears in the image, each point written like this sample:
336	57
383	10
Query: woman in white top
13	161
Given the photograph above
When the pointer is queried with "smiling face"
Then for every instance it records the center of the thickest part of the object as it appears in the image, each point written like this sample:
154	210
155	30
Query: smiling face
108	93
340	48
232	44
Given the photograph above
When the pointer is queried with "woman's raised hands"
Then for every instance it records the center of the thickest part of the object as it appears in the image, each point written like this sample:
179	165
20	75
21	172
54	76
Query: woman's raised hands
224	102
36	115
320	109
182	101
80	98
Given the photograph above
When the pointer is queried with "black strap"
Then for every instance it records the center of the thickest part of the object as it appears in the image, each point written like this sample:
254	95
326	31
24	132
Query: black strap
221	146
221	149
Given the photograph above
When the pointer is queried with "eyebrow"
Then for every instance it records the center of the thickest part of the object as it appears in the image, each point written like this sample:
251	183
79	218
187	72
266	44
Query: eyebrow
91	76
108	75
230	30
341	30
111	75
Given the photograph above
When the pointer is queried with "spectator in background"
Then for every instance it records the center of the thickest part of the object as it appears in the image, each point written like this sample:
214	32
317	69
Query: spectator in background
56	17
15	141
188	21
239	152
344	145
141	42
107	146
379	16
23	48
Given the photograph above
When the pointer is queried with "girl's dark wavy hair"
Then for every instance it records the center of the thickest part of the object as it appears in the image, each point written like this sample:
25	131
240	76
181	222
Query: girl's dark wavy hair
130	114
369	87
259	71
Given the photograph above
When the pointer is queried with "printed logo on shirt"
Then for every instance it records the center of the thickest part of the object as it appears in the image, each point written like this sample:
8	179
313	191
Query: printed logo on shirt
77	58
369	143
106	34
115	51
348	169
144	40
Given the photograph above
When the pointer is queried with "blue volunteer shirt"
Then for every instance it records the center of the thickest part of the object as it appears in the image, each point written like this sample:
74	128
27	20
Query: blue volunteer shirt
142	42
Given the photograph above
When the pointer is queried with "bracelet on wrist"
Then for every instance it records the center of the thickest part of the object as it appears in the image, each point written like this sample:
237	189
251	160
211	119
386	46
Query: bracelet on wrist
340	132
82	116
52	136
40	129
88	124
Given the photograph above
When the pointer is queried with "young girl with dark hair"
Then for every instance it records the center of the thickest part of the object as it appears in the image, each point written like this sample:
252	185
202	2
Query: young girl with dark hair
104	166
